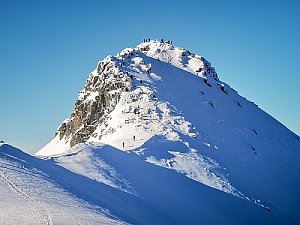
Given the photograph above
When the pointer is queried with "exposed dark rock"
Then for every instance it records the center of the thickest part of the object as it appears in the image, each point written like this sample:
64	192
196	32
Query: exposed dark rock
99	97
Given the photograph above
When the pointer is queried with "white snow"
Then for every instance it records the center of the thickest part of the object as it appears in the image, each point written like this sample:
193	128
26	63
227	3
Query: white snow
197	168
179	57
139	115
54	147
80	159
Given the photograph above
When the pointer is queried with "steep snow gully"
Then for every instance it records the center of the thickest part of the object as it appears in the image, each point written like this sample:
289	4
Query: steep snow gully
157	138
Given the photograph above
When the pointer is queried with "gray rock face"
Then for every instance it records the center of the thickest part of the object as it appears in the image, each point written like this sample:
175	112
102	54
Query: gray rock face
98	98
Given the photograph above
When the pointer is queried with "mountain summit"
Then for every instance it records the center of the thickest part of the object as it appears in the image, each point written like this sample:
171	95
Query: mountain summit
131	83
168	107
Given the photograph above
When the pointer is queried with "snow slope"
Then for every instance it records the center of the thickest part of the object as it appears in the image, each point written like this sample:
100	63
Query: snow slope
176	114
36	191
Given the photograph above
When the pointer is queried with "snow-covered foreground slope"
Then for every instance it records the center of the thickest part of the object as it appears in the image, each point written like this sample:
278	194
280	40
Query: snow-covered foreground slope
118	185
167	108
34	191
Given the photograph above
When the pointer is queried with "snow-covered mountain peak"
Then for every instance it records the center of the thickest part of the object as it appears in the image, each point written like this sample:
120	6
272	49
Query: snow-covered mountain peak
167	106
128	82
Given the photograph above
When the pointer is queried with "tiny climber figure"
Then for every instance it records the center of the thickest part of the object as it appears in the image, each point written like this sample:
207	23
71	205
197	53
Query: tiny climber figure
133	137
123	144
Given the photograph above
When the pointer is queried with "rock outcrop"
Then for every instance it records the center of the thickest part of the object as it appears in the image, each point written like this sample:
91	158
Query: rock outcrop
98	98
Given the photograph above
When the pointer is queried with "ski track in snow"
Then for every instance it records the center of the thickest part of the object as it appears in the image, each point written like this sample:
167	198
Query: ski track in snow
37	206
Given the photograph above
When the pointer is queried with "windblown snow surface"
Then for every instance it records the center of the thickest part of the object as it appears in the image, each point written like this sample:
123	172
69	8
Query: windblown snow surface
195	152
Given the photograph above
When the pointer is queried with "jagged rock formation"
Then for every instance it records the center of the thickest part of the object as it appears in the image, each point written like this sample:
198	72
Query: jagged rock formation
98	98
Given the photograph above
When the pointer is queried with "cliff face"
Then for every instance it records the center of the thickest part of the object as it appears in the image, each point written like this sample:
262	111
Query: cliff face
98	98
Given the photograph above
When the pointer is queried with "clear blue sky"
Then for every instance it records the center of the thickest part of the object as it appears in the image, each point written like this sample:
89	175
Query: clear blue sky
48	48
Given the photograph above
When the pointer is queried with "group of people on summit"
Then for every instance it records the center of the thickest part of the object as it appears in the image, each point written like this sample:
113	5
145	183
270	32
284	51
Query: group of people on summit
161	41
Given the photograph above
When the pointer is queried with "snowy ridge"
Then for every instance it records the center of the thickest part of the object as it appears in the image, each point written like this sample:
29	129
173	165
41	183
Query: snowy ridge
167	106
81	160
